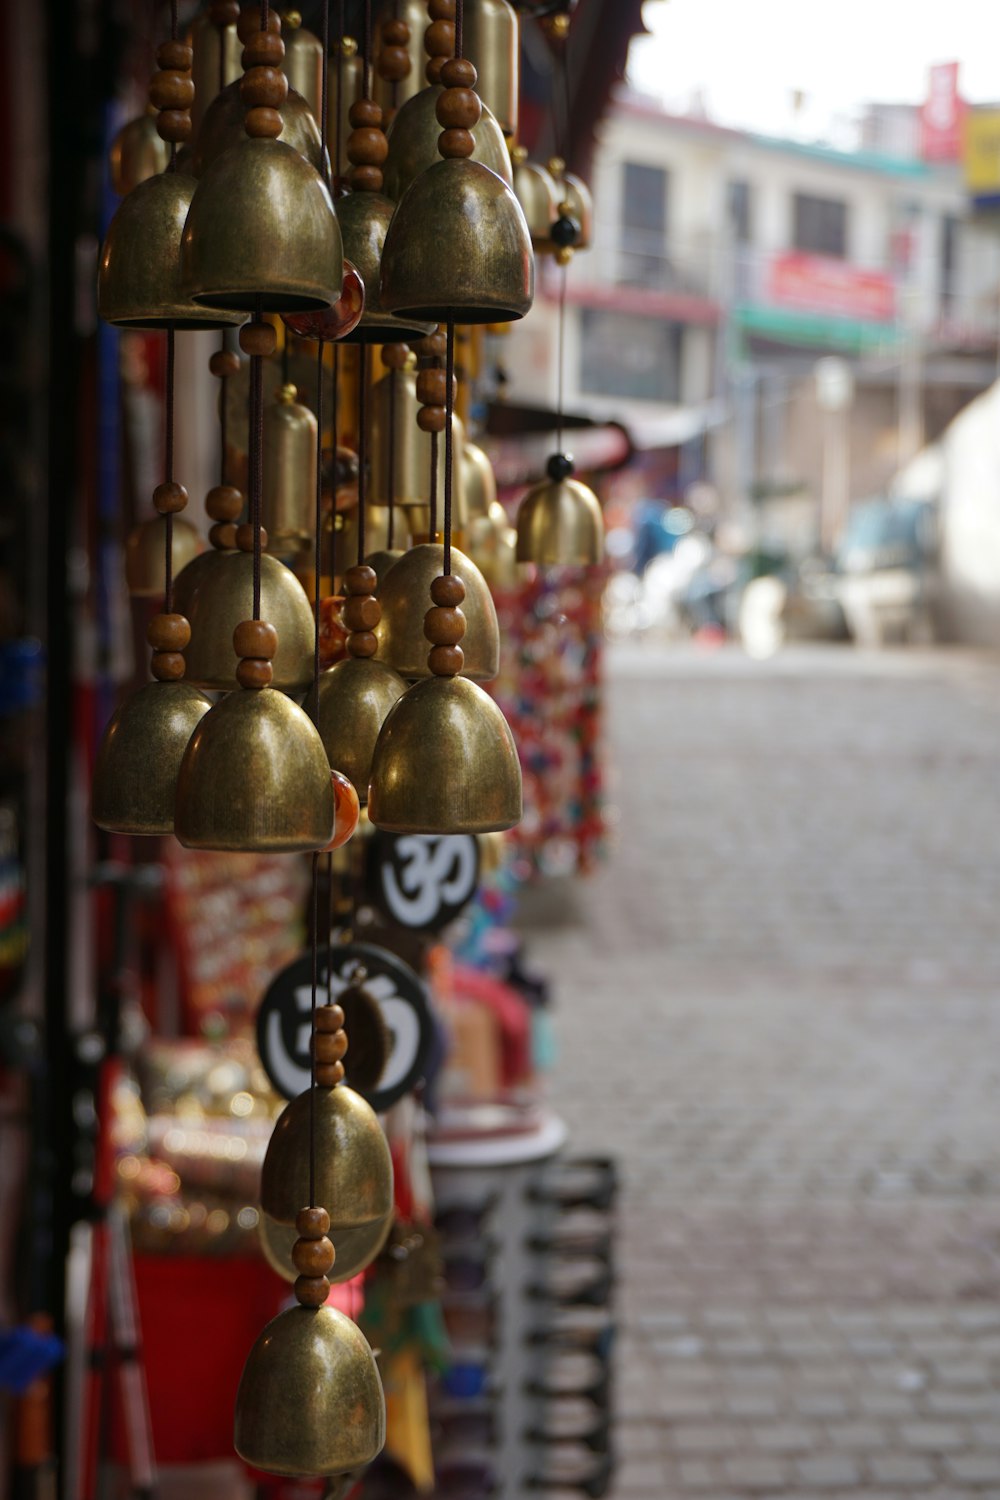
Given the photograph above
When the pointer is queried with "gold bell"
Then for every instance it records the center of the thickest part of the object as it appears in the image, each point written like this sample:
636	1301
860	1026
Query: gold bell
223	126
289	472
261	231
559	522
353	1162
376	532
356	1247
145	549
538	195
413	146
302	63
206	40
492	543
135	774
392	96
400	632
492	42
479	485
395	437
383	559
364	219
215	602
139	278
458	249
137	153
445	762
350	72
352	700
310	1399
255	778
575	201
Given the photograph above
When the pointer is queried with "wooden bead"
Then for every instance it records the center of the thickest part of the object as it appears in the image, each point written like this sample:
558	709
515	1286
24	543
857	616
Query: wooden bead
312	1223
223	536
174	125
395	34
330	1046
432	419
263	124
255	638
362	613
366	179
329	1018
360	579
169	498
445	661
458	108
367	146
174	56
444	626
441	10
224	13
395	356
458	73
224	502
456	144
312	1291
433	346
313	1257
439	39
362	643
394	64
171	90
264	86
249	22
244	537
258	338
432	70
432	387
328	1075
263	49
448	589
224	362
364	112
168	633
253	673
167	666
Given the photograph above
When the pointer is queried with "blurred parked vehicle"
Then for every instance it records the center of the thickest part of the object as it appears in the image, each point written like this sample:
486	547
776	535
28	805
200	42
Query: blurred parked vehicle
887	571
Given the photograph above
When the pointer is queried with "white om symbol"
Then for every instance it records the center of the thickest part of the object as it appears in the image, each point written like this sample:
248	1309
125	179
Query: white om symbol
436	871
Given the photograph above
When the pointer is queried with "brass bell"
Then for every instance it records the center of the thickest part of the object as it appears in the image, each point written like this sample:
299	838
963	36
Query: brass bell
364	219
392	96
559	522
210	72
445	762
400	632
353	1163
538	195
574	200
216	600
458	249
137	153
289	472
261	232
376	532
302	63
395	438
139	277
223	126
146	547
352	700
384	559
351	73
255	778
135	774
356	1247
491	543
413	146
479	485
491	40
310	1399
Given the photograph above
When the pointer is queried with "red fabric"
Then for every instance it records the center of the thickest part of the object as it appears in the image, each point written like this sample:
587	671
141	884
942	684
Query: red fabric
512	1014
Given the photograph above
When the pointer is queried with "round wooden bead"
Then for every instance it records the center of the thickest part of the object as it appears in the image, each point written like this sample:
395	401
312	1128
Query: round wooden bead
362	643
330	1046
252	673
168	632
224	362
361	613
458	107
258	338
249	22
364	112
366	179
441	10
432	70
264	86
445	661
329	1017
169	498
432	418
255	638
448	589
360	579
432	386
174	55
456	144
395	356
444	626
393	64
223	536
439	39
224	12
328	1075
458	73
174	125
312	1223
432	346
313	1257
312	1291
263	124
224	502
167	666
263	49
395	34
244	537
367	146
171	90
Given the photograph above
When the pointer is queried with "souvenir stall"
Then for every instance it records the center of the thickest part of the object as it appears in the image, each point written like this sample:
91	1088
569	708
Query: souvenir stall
303	1221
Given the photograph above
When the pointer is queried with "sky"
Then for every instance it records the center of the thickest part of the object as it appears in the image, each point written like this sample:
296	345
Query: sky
746	57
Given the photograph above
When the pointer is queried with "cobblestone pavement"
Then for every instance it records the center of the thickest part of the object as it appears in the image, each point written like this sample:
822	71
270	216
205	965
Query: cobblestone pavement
778	1006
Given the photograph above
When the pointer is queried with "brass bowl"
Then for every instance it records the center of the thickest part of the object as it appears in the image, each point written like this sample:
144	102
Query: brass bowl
364	219
137	153
135	773
220	595
145	555
355	1247
352	700
354	1180
223	127
405	596
491	40
413	145
559	523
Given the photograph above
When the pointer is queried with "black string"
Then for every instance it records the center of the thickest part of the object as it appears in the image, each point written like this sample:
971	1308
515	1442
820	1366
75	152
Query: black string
256	467
168	464
391	467
312	1049
318	522
329	929
362	448
325	92
562	333
338	134
449	407
458	28
172	163
434	486
334	421
265	16
223	419
366	53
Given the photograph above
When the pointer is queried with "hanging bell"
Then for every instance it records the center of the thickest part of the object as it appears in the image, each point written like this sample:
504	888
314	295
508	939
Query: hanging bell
364	219
310	1399
559	522
223	126
345	523
573	228
396	442
145	548
400	632
350	72
255	778
491	40
413	145
353	1162
352	700
137	153
492	543
413	13
215	601
479	485
289	473
302	63
356	1248
538	195
383	559
216	64
445	762
135	774
139	278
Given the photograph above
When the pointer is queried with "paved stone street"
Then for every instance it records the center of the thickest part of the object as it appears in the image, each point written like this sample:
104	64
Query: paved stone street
778	1005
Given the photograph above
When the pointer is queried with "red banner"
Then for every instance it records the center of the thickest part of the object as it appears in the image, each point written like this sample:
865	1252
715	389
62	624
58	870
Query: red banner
942	116
820	284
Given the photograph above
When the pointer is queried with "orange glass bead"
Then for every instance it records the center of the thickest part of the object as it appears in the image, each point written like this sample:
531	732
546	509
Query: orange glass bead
346	809
330	323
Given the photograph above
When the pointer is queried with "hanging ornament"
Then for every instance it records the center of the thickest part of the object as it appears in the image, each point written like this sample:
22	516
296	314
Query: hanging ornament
222	127
400	442
402	643
399	56
302	63
559	521
137	153
290	431
431	418
216	46
492	43
144	548
538	195
573	228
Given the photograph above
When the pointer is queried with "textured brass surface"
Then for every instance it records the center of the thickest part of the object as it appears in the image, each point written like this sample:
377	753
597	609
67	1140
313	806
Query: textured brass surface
413	144
458	248
491	40
223	126
575	192
302	65
414	13
135	774
261	227
255	778
491	542
301	373
356	1246
405	596
136	154
409	445
364	219
352	74
559	522
376	533
354	697
353	1166
536	191
445	762
382	559
220	596
139	277
478	481
145	554
310	1397
204	39
289	471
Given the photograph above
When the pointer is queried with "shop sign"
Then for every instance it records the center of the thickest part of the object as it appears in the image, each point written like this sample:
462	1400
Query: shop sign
819	283
981	157
942	115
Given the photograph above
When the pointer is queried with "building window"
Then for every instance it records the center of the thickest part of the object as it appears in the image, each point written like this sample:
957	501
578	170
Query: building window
635	358
819	225
643	224
738	211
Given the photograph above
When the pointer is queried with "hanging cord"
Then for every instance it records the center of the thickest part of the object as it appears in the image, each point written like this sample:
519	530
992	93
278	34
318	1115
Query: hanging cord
459	8
265	14
312	1029
256	460
449	408
560	360
172	163
391	466
168	464
339	132
334	426
223	418
362	448
434	486
324	93
366	53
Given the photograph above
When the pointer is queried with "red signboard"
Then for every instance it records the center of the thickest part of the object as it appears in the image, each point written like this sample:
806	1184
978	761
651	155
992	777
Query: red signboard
942	116
820	284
